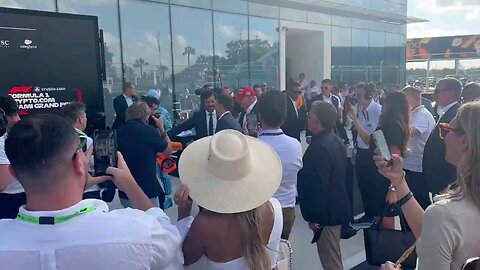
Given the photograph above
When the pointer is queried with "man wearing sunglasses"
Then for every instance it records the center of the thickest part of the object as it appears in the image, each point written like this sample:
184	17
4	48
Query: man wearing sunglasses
438	172
296	116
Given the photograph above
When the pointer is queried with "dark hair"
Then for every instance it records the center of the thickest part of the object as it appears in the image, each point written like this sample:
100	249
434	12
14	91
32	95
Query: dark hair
206	94
272	108
217	90
127	85
293	84
326	81
39	148
8	105
453	85
72	111
397	111
326	113
368	88
150	100
225	101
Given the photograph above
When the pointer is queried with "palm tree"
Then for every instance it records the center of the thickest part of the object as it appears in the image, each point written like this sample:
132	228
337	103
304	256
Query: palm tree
140	63
163	70
188	51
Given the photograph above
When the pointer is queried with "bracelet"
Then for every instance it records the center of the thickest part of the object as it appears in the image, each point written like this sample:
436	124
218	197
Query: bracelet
394	187
404	200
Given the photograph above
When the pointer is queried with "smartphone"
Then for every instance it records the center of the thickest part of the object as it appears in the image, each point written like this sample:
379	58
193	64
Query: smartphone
252	123
104	151
382	145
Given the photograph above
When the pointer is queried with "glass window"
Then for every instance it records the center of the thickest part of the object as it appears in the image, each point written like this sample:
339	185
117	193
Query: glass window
263	10
193	3
376	55
341	21
192	53
320	18
377	26
341	51
146	46
264	52
359	23
360	43
108	21
231	49
293	14
235	6
43	5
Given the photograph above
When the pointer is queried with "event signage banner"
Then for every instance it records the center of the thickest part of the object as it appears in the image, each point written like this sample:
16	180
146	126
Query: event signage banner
443	48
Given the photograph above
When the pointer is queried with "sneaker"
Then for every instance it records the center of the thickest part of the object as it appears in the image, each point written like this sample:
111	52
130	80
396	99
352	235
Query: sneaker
348	232
364	221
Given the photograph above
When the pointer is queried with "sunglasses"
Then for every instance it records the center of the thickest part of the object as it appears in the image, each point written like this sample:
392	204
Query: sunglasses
444	128
81	146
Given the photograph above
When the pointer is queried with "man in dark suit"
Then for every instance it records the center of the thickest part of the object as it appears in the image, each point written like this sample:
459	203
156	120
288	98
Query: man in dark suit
322	192
438	172
122	102
225	120
295	121
203	121
248	102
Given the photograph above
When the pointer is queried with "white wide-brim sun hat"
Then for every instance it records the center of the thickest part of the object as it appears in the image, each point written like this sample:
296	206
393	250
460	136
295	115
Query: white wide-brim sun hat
230	172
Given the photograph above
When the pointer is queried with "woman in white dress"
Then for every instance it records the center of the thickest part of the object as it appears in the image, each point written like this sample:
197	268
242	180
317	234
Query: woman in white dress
233	177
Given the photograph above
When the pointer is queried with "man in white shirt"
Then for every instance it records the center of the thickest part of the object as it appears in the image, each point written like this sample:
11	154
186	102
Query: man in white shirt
12	195
304	84
312	91
56	229
272	109
421	125
75	114
367	116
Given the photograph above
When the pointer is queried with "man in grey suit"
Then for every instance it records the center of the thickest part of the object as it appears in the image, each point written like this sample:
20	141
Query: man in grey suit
225	120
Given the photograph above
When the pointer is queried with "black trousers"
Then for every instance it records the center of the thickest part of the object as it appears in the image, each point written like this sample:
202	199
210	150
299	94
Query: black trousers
349	183
417	183
9	204
373	186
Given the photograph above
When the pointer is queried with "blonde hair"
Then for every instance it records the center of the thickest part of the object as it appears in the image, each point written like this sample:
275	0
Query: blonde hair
468	170
252	245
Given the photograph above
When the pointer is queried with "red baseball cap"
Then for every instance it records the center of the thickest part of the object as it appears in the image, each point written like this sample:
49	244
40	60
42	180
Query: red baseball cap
244	92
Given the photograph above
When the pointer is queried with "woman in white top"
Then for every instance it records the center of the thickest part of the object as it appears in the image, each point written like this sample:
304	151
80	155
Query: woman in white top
447	232
233	177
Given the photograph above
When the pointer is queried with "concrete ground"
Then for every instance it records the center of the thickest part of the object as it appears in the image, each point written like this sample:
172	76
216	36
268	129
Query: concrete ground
305	255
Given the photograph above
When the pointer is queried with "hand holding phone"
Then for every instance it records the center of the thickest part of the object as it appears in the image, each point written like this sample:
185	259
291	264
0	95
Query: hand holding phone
252	124
382	145
104	151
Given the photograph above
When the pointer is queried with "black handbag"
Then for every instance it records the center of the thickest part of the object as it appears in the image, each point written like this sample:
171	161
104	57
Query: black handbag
382	245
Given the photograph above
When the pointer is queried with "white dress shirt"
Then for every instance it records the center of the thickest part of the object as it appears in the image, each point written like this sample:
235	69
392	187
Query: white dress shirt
294	106
125	239
423	121
129	100
13	186
214	116
442	110
310	90
368	119
290	152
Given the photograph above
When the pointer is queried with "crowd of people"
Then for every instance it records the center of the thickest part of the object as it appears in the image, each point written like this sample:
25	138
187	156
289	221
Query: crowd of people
245	168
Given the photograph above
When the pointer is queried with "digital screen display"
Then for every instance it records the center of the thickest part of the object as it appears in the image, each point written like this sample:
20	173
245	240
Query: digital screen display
50	59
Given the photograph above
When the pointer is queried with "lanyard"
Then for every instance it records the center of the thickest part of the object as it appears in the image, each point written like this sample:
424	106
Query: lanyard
55	220
271	134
